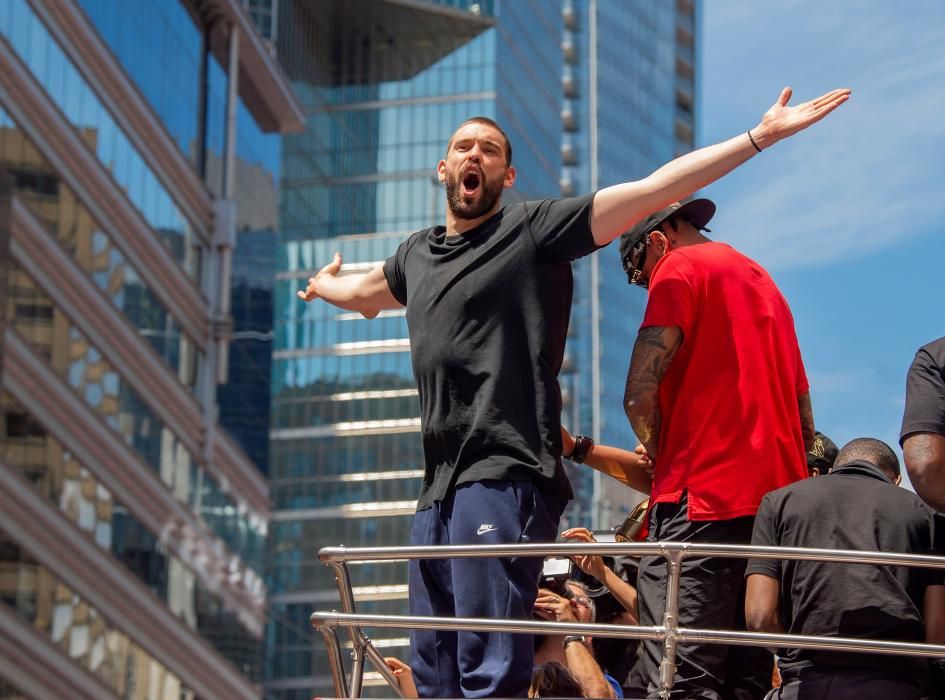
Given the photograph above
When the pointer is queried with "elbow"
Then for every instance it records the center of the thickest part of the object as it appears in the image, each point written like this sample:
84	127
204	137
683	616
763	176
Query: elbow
758	619
599	688
928	480
925	472
754	622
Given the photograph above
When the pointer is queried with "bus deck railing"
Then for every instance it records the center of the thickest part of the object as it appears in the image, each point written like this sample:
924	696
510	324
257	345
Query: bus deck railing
669	632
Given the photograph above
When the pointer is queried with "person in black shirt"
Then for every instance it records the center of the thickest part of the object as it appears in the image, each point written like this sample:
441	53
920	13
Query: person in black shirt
923	424
488	300
855	506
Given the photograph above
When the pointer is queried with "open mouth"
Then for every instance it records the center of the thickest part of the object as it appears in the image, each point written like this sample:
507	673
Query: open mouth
471	182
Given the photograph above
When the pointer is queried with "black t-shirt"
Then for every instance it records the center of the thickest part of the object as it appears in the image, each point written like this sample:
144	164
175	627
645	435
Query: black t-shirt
854	507
488	314
925	392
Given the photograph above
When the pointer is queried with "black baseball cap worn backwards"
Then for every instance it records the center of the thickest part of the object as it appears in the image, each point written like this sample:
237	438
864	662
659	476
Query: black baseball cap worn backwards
697	212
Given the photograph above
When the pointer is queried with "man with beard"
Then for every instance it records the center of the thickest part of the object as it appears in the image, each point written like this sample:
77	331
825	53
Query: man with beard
488	300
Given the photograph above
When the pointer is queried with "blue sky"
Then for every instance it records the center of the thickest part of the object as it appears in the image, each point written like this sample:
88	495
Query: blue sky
849	216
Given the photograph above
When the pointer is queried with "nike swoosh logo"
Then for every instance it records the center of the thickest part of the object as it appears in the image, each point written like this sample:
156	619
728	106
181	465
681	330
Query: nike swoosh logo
483	529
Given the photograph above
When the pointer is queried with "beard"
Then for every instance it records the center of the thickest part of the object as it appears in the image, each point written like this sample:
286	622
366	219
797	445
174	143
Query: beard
487	197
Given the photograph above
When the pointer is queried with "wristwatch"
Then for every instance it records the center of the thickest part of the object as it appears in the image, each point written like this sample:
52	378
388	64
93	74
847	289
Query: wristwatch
573	638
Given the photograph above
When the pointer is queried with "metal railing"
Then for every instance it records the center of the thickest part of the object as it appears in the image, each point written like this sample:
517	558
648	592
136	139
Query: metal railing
668	632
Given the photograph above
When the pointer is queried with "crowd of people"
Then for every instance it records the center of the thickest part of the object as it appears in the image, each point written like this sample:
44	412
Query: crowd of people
716	394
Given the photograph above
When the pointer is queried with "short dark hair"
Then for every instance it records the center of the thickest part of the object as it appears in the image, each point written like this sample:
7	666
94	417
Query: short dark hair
871	450
487	122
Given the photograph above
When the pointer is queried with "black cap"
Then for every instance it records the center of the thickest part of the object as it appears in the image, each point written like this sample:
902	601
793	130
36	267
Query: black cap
822	454
697	212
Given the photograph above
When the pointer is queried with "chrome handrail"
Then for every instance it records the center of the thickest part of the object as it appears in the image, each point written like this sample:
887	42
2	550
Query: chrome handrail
669	632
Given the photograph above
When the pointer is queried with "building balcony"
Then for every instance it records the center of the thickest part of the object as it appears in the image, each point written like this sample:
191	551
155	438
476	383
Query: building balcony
569	118
328	43
569	14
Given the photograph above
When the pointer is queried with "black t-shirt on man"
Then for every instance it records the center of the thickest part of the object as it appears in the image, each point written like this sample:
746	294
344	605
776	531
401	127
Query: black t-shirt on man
853	507
925	392
488	314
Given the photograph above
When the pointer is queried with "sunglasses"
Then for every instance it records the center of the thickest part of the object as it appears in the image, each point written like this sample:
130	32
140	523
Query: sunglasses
635	258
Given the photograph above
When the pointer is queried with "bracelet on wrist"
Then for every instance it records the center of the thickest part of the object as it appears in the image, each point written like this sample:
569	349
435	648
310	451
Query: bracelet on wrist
573	638
582	444
752	139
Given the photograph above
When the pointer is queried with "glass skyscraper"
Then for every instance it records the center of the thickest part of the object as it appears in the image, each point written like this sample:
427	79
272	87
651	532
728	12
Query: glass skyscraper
139	156
383	90
629	107
384	84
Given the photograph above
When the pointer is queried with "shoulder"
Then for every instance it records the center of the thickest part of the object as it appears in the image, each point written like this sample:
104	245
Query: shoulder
932	355
410	242
794	494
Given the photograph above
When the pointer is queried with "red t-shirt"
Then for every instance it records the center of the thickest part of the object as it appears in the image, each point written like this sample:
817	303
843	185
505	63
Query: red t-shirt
731	427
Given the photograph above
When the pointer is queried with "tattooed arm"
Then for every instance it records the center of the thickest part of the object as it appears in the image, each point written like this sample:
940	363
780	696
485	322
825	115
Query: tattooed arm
652	354
925	462
807	420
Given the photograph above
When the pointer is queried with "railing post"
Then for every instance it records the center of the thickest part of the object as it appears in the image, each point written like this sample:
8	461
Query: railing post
375	656
334	660
346	593
357	668
670	621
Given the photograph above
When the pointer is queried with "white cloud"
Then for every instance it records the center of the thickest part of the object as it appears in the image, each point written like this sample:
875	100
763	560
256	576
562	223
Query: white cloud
871	175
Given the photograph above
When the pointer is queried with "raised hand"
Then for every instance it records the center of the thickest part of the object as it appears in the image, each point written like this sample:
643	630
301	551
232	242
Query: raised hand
782	120
588	563
553	607
331	269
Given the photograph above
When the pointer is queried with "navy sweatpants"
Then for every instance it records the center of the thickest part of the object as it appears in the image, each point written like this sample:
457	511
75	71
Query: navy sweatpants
478	664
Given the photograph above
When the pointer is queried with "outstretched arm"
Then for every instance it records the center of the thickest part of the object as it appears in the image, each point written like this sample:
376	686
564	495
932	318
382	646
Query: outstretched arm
619	207
624	466
367	293
653	352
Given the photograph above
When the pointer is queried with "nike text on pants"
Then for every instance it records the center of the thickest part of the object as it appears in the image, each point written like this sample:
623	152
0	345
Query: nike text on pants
478	664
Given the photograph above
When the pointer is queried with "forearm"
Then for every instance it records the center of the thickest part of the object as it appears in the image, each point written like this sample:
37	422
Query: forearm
933	613
653	353
619	207
342	291
364	292
622	465
807	420
643	411
625	594
586	670
762	597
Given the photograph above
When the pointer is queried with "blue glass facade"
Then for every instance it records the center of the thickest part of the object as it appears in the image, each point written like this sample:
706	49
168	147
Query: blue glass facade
176	506
84	109
346	453
637	60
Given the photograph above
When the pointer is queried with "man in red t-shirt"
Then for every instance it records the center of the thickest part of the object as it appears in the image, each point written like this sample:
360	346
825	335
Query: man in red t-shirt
718	396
